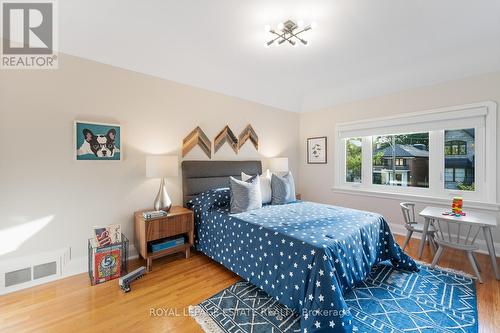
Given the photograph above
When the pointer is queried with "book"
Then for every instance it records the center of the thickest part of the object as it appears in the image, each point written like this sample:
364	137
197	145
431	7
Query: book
154	214
107	264
163	245
107	235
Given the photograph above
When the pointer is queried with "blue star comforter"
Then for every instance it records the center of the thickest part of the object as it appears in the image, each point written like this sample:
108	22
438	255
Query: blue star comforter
304	254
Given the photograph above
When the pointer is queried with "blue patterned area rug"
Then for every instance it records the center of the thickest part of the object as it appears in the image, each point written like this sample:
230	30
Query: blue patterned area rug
432	300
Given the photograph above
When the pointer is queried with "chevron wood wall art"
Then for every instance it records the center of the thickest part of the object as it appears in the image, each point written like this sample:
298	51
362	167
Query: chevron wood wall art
248	134
197	137
226	135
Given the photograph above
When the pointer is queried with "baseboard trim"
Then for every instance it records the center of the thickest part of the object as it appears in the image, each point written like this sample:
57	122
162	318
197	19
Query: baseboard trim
74	267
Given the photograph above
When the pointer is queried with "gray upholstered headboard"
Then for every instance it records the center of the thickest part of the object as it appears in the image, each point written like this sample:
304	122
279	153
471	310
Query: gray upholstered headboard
200	176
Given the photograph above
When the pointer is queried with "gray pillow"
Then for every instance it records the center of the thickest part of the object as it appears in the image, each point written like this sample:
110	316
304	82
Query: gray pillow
245	195
283	189
265	186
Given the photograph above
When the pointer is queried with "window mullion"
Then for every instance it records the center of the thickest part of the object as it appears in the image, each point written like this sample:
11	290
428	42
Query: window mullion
436	162
480	162
366	164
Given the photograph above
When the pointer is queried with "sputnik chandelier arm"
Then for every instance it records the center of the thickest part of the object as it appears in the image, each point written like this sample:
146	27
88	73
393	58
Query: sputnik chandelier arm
288	31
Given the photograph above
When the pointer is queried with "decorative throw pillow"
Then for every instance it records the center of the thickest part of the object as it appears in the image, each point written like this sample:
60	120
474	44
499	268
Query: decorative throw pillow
283	189
245	195
265	186
291	181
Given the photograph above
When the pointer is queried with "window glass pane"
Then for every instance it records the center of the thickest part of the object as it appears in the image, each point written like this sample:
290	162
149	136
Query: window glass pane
448	174
353	160
461	159
401	160
459	175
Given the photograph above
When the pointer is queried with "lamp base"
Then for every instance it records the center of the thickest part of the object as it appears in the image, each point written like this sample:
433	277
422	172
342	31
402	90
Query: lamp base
162	200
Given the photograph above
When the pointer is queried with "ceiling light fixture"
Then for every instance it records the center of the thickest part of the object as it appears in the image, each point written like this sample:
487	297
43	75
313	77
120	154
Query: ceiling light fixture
288	31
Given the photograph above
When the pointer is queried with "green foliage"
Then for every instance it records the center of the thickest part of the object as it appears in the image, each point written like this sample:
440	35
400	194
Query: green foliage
465	187
353	160
403	139
378	158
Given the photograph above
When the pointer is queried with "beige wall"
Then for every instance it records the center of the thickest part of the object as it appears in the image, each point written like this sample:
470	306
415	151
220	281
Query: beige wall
41	183
317	180
42	187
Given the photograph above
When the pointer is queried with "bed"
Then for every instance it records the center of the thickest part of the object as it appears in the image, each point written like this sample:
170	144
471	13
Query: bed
304	254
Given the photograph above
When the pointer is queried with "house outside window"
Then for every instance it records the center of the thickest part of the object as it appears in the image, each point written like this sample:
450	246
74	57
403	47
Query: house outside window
401	160
432	155
460	159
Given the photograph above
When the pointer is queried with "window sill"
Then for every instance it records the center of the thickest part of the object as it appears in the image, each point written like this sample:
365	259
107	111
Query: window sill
490	206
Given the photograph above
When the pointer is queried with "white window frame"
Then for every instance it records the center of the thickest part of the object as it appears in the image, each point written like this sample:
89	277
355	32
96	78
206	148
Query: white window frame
480	116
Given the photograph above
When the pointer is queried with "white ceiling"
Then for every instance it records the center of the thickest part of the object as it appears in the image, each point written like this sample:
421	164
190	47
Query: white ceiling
361	48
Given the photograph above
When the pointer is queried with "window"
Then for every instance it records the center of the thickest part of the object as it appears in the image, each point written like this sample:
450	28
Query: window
459	159
353	160
454	147
431	154
391	154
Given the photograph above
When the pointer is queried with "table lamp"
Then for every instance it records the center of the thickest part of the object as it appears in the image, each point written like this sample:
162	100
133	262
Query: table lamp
278	164
162	166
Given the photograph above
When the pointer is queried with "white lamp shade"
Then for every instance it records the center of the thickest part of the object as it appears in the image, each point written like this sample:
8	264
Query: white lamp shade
161	166
278	164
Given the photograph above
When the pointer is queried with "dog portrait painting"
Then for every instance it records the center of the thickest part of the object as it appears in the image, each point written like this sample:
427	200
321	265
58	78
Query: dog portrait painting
97	141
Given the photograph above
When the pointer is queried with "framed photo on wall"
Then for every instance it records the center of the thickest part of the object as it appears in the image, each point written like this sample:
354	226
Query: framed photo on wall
97	141
316	150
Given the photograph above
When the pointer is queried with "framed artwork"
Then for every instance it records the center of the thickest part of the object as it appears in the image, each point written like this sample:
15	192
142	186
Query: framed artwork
316	150
97	141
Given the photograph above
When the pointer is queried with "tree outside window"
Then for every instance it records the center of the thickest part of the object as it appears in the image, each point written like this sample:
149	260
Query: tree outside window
353	160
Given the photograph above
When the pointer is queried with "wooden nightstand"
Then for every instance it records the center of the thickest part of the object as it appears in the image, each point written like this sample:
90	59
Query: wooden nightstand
298	196
178	222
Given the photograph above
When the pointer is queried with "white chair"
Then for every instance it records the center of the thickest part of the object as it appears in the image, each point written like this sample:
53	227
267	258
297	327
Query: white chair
411	225
444	238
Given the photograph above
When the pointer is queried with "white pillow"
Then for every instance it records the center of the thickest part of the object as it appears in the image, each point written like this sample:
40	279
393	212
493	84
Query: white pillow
292	196
265	186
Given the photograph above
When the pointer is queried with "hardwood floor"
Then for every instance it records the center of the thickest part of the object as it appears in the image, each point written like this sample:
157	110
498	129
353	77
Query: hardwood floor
72	305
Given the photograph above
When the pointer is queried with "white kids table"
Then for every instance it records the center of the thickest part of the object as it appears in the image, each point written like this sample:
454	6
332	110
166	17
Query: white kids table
471	224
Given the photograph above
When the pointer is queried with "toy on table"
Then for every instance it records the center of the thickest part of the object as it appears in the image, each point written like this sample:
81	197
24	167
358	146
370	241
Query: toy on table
456	207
